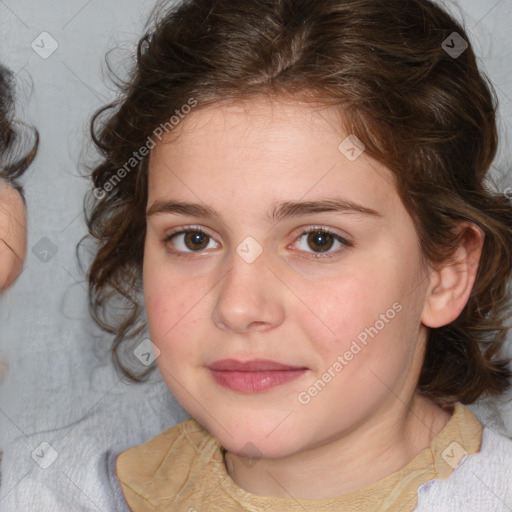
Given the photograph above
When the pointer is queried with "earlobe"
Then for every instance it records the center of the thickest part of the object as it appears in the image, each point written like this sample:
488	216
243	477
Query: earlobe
13	238
451	283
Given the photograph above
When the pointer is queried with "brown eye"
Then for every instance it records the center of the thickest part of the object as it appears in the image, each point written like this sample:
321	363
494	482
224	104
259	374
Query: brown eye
189	241
320	240
196	240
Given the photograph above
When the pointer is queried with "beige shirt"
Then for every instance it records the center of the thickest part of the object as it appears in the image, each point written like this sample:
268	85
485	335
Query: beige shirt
183	470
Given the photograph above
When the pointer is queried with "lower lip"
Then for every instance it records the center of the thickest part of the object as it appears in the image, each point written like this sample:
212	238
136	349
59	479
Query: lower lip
253	382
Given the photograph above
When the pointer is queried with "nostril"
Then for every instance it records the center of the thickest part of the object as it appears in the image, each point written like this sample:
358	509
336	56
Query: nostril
258	326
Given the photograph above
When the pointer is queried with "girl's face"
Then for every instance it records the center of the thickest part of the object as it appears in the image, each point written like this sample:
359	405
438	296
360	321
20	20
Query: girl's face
237	267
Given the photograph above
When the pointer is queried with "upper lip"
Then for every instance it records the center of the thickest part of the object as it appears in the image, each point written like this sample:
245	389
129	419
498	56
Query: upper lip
254	365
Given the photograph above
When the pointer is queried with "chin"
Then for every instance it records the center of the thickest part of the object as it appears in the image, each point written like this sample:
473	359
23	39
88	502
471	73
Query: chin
253	442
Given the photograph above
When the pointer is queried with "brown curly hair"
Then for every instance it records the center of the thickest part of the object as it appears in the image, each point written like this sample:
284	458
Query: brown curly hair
428	115
15	157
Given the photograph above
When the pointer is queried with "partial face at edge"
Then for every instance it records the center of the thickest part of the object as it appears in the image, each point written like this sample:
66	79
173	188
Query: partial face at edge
304	300
12	235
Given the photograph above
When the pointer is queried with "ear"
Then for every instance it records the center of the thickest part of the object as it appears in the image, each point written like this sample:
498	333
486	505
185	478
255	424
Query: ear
452	282
13	234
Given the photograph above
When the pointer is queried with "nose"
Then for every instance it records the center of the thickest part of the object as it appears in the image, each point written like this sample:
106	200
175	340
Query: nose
249	298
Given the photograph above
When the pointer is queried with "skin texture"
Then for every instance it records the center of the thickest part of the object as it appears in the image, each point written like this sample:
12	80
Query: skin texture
289	305
13	242
13	238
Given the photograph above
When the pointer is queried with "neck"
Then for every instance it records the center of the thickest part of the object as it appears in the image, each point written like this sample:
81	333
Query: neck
384	444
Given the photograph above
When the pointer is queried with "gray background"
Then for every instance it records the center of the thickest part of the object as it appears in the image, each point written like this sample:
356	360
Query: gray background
61	388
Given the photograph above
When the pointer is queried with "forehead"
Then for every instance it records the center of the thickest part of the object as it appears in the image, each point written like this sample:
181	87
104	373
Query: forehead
264	122
257	150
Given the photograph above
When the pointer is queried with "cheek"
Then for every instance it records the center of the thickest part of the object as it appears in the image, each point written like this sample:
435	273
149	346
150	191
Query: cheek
176	307
165	296
341	308
167	304
366	314
166	310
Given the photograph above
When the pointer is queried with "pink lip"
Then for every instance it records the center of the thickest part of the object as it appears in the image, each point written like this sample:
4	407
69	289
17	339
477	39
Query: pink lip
255	365
253	376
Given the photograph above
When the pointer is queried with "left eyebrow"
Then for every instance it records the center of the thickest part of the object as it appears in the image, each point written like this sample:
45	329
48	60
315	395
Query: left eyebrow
286	209
279	210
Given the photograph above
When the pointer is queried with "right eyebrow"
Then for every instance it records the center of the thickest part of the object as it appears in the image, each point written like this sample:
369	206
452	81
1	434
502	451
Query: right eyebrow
183	208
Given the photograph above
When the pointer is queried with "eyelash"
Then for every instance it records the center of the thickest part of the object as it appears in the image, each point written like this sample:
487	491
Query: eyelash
307	230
